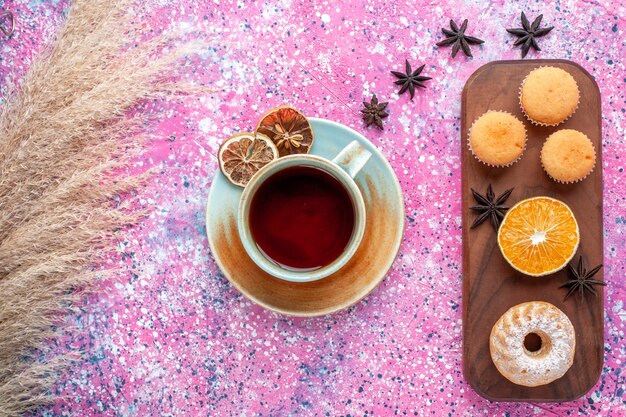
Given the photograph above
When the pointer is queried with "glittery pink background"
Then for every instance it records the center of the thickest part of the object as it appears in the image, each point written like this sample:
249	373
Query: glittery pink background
171	336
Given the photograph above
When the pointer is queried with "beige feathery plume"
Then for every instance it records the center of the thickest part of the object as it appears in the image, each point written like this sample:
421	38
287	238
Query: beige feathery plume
64	133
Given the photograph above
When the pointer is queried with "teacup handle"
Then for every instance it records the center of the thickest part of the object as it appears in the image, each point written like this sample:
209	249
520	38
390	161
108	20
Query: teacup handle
352	158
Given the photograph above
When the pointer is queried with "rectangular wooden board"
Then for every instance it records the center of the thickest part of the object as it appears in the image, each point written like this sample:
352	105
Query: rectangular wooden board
490	285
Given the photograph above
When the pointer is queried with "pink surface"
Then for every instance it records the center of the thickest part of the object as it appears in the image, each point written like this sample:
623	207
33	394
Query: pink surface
171	336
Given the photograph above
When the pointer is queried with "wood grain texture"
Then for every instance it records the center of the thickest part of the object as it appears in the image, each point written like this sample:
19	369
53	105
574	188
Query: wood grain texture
490	285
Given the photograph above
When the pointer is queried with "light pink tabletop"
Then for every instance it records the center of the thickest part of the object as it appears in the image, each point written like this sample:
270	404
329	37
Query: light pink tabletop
171	336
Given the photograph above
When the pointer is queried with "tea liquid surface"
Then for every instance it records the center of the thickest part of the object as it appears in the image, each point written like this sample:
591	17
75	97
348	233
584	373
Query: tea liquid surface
302	218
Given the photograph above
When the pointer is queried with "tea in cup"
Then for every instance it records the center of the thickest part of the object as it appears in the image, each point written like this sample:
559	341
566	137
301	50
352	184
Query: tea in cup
302	217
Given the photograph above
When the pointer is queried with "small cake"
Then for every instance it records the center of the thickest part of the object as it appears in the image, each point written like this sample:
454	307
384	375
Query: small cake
497	138
568	156
549	96
533	344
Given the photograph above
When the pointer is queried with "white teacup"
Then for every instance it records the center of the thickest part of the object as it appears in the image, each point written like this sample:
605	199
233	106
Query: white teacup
344	167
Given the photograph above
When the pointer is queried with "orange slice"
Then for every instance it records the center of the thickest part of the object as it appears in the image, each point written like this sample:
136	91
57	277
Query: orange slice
539	236
290	131
243	154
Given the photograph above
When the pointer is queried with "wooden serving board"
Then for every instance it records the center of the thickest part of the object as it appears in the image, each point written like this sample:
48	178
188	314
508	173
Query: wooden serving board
490	285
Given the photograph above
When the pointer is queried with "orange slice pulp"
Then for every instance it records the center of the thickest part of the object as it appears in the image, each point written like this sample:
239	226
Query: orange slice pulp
243	154
290	131
539	236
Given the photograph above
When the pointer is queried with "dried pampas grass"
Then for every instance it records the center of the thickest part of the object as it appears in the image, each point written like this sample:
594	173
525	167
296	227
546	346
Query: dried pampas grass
66	137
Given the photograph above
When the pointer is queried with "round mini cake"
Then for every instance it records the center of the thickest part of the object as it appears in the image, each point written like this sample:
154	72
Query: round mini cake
497	138
549	96
568	156
533	344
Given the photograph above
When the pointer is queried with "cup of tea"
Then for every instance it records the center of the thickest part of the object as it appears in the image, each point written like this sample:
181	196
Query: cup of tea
302	217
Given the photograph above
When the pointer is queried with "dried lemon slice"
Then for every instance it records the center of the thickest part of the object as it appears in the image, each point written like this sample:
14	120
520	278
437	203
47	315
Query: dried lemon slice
290	131
243	154
539	236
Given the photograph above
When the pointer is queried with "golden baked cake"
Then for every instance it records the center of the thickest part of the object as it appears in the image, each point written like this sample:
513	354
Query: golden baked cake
528	362
568	156
497	138
549	96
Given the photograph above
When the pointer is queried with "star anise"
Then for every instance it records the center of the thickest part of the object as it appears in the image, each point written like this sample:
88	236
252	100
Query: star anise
458	39
582	280
374	112
410	79
528	33
490	207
